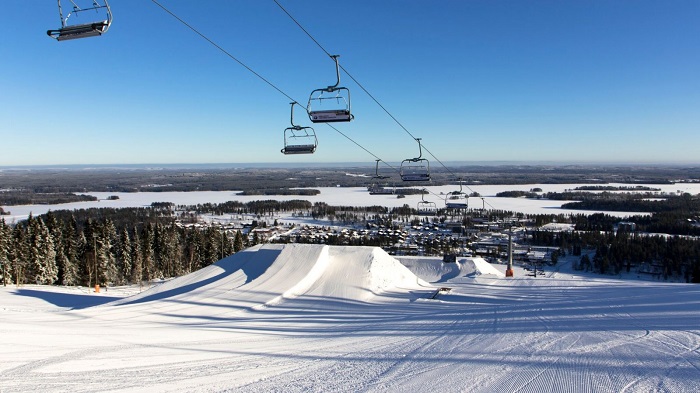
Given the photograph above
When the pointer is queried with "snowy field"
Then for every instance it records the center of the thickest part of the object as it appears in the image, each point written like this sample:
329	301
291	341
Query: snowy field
351	196
300	318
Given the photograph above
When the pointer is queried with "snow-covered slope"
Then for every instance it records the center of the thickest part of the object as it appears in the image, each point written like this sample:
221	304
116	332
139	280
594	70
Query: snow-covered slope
299	318
267	275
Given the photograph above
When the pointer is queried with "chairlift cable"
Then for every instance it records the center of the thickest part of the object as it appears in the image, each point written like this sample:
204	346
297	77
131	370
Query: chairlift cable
210	41
369	94
305	31
261	77
222	49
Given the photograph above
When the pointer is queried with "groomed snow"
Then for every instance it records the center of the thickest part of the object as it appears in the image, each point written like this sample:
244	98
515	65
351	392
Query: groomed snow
299	318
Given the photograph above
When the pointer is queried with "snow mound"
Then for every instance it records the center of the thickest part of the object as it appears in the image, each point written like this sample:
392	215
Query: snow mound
479	267
435	271
267	275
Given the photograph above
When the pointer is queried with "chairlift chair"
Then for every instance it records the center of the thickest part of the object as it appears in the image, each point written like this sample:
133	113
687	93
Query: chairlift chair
376	172
415	169
330	104
426	208
83	30
457	199
298	139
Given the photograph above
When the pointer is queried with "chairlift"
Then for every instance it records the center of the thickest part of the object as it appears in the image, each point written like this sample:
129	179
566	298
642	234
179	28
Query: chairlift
457	199
330	104
415	169
298	139
376	172
426	208
83	30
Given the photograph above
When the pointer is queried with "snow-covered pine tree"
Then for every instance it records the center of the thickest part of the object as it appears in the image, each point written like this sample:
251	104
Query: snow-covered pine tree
42	253
238	244
5	242
193	250
18	253
88	262
56	229
71	251
212	241
148	252
136	258
107	267
227	245
124	257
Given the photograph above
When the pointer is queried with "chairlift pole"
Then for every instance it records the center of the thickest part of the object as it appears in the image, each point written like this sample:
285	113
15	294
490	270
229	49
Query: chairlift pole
509	269
291	117
420	149
94	249
331	89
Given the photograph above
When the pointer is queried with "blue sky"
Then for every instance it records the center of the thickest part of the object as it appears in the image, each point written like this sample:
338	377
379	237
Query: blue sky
488	80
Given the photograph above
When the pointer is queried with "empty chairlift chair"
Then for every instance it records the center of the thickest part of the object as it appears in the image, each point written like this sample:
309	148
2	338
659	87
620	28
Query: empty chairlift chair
376	172
457	200
378	186
83	30
299	140
330	104
426	208
415	169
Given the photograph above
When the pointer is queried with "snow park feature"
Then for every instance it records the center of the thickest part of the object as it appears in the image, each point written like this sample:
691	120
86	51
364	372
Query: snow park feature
299	318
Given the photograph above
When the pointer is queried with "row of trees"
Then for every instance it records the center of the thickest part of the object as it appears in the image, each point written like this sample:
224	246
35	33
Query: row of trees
50	250
618	251
130	245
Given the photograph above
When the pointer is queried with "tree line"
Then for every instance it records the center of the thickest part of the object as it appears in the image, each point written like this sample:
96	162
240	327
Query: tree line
621	250
61	249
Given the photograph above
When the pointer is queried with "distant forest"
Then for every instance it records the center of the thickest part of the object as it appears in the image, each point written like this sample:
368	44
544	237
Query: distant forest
134	245
251	180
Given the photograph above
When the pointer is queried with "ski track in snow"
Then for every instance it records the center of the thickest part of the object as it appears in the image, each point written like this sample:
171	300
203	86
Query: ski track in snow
311	319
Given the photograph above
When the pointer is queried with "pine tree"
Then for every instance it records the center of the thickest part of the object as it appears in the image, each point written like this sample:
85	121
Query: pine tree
18	254
84	257
56	229
148	252
5	243
42	253
124	254
238	241
212	241
193	250
71	251
61	258
89	261
226	246
107	265
136	258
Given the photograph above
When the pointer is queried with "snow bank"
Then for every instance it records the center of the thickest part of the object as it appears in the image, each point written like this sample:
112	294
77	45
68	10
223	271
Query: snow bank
479	267
363	273
267	275
435	271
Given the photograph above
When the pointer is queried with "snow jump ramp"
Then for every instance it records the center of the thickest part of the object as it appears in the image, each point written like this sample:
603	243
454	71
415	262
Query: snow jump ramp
268	275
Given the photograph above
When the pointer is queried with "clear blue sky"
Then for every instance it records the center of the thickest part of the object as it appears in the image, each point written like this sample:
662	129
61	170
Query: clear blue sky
486	80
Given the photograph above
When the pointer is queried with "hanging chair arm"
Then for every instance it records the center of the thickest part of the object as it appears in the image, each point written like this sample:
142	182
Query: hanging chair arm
331	89
420	149
291	115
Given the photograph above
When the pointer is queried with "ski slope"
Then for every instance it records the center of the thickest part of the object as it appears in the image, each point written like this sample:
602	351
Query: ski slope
299	318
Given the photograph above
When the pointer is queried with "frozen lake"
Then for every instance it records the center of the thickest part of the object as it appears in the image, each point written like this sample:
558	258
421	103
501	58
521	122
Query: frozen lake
352	196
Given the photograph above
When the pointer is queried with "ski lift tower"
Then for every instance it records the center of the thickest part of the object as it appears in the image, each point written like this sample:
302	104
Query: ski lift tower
509	269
